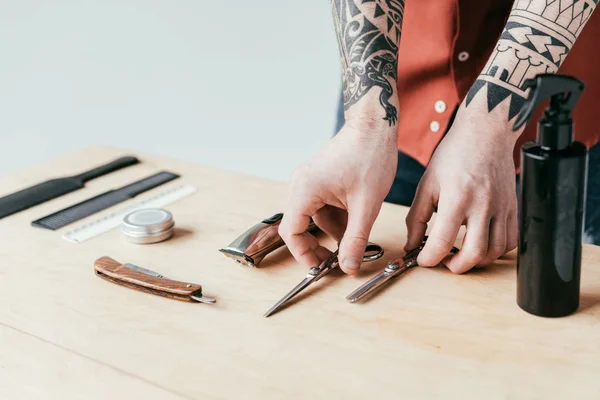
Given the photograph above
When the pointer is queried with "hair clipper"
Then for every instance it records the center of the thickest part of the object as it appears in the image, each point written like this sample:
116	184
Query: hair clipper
254	244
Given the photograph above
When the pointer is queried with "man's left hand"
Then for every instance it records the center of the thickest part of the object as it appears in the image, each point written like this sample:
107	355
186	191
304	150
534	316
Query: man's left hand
471	180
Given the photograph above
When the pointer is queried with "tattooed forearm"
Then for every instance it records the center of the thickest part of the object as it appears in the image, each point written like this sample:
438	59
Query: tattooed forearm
368	33
538	36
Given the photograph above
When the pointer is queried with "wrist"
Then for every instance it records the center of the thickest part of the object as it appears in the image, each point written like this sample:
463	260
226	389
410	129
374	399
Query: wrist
374	115
371	124
488	123
477	125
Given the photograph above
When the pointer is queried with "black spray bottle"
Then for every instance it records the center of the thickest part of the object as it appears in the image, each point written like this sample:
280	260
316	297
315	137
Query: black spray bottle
551	201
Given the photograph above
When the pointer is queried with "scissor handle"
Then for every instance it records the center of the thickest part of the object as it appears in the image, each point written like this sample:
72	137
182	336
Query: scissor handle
373	252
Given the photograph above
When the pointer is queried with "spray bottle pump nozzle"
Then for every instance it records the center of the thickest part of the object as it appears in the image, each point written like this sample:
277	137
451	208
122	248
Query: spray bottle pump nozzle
556	127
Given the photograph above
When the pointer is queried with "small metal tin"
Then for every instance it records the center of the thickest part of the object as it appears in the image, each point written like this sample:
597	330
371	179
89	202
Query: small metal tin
151	225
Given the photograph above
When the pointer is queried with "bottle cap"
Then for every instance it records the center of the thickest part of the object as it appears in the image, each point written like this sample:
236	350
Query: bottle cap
151	225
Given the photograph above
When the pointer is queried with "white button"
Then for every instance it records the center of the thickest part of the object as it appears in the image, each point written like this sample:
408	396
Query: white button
463	56
440	106
434	126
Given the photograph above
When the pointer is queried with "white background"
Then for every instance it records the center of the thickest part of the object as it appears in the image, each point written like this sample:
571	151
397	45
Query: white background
250	86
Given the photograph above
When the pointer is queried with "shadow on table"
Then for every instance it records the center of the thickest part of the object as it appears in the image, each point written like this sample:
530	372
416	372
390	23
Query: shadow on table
588	302
179	233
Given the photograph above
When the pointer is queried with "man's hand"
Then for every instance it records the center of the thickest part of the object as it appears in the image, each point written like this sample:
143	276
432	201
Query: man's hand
342	188
471	180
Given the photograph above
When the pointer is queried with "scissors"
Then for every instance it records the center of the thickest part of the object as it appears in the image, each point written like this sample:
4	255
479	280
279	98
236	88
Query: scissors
392	270
372	252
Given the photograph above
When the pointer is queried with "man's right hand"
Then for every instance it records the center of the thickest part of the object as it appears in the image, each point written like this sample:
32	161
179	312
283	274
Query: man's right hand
342	188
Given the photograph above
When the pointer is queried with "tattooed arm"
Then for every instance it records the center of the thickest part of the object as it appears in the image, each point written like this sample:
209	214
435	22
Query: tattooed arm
537	38
368	34
343	187
471	177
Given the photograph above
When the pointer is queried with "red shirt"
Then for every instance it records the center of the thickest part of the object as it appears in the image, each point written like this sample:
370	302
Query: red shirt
444	46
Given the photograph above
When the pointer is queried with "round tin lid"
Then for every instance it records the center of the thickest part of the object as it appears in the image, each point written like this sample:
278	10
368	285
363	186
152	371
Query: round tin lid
147	222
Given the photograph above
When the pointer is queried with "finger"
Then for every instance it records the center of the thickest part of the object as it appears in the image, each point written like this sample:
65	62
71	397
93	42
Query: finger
512	230
497	241
332	221
361	218
418	216
322	253
443	234
301	244
475	245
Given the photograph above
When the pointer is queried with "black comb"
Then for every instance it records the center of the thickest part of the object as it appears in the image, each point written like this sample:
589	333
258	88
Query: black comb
101	202
45	191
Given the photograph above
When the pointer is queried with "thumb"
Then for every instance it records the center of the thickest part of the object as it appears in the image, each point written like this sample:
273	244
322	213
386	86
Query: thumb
361	218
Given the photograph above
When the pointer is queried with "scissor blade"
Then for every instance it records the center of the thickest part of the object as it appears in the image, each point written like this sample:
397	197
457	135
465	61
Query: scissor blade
301	286
369	286
377	281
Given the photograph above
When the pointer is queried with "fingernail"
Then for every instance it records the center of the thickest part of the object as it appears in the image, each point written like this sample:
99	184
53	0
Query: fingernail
351	263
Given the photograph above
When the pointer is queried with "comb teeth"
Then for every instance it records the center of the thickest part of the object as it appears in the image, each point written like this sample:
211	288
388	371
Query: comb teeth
79	211
101	202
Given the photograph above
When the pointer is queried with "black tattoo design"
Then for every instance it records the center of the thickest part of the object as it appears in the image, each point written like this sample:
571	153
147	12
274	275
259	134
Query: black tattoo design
368	34
538	36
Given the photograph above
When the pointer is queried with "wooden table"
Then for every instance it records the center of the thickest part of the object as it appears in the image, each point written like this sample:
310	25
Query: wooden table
65	334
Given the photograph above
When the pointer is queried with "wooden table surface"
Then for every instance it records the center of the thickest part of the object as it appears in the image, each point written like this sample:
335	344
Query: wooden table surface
65	334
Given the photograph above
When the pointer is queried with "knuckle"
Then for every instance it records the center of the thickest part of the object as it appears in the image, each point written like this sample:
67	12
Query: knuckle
474	256
462	191
456	195
304	251
412	218
492	256
424	260
511	245
478	183
495	253
439	244
459	268
484	205
486	187
487	207
514	208
299	174
428	258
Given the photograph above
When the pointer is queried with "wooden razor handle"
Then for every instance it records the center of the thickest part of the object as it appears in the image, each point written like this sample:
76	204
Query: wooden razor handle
114	271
